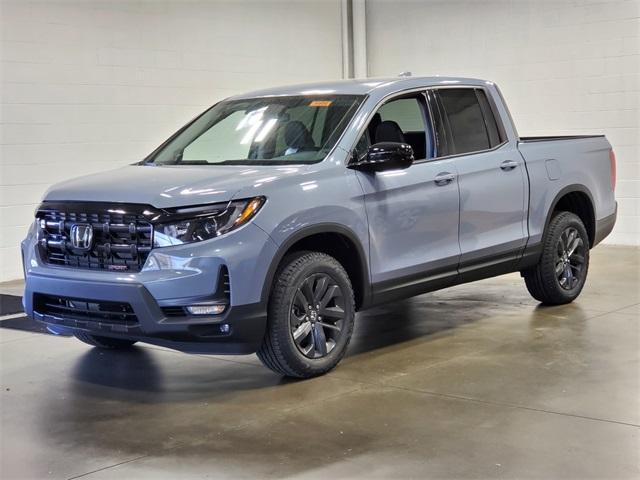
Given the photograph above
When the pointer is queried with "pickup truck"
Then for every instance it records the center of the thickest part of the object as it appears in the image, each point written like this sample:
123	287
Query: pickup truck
266	222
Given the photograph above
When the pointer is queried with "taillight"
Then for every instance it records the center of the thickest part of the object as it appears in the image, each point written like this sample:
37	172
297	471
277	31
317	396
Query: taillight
612	159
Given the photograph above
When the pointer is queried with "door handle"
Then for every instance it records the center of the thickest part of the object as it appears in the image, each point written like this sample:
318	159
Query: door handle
508	165
444	179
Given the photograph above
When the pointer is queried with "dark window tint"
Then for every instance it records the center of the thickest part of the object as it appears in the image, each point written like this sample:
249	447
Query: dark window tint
466	122
441	138
489	119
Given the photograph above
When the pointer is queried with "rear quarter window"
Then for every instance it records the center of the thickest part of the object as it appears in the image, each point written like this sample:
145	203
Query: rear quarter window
489	119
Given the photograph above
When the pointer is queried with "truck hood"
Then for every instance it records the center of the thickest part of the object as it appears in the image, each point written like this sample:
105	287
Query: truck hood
170	186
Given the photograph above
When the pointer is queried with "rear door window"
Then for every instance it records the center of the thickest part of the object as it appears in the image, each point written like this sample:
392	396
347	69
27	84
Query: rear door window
466	122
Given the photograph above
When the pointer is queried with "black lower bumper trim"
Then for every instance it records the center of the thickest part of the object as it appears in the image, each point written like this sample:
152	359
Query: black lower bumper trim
604	226
246	327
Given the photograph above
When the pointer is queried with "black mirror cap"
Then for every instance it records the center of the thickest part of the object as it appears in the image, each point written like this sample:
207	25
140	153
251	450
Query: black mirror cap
385	156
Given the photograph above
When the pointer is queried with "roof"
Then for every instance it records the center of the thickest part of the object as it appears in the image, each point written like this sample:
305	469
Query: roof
366	86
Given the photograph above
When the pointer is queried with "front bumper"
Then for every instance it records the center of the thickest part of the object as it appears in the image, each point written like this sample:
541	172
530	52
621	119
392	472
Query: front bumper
182	275
243	332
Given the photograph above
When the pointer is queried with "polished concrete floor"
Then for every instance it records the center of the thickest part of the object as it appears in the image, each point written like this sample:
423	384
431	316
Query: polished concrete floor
477	381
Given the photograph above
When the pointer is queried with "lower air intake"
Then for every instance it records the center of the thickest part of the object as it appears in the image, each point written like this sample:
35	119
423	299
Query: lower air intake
84	310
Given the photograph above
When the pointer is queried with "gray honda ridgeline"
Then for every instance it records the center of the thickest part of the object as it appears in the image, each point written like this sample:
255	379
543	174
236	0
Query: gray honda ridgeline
265	223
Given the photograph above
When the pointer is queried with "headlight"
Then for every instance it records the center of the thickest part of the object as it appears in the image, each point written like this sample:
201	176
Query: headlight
195	224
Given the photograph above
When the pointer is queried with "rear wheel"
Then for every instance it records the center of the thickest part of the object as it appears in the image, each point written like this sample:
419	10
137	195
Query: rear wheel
561	272
311	316
104	342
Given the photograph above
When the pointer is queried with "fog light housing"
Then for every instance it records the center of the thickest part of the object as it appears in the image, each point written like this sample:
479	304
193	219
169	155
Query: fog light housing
215	309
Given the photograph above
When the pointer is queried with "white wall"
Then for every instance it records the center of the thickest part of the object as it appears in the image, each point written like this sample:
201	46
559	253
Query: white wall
565	67
87	86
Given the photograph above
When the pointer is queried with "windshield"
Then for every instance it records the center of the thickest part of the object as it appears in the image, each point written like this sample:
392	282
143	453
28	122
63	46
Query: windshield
267	131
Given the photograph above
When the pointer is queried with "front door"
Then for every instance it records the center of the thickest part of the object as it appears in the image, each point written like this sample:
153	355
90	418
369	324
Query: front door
413	213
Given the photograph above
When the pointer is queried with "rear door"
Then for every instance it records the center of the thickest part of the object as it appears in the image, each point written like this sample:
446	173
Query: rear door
491	180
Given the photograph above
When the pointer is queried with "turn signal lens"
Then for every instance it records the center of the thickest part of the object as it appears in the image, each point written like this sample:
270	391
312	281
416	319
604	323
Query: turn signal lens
249	211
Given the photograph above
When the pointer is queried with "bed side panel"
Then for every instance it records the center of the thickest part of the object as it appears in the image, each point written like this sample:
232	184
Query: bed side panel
558	164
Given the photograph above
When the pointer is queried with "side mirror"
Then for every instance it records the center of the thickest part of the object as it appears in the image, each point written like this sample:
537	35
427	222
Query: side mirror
384	156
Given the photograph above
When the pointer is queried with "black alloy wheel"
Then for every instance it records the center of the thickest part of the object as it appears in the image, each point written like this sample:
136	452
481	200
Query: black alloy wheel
570	258
317	313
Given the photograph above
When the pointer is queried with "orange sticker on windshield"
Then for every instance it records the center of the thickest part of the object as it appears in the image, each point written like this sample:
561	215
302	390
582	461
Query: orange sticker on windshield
320	103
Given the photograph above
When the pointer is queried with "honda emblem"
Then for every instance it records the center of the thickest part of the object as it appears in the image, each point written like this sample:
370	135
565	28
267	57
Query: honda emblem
81	236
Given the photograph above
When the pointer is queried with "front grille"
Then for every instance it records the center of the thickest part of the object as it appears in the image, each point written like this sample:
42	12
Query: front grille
122	236
84	310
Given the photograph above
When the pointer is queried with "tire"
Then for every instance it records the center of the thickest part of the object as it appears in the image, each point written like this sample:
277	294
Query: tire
558	278
104	342
303	340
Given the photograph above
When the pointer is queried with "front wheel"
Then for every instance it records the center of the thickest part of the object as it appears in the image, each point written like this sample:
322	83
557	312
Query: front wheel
310	318
561	272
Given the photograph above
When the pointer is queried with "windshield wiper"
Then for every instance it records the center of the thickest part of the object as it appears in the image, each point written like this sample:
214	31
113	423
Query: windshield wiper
192	162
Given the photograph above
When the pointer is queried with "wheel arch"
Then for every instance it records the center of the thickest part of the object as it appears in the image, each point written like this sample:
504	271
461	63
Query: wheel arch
576	199
332	239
